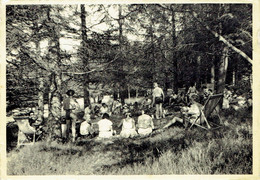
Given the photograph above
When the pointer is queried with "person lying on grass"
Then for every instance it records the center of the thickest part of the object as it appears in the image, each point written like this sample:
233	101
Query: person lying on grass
145	124
128	127
190	113
105	127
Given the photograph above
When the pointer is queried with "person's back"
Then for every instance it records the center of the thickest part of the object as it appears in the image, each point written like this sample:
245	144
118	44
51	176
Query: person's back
144	121
145	124
128	127
157	92
85	128
105	127
158	99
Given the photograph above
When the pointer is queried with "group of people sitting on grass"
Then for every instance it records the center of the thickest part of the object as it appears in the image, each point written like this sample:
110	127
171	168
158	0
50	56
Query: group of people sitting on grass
129	128
189	103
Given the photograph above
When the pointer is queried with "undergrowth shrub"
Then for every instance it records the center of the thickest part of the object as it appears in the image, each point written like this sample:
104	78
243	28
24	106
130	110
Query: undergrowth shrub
227	150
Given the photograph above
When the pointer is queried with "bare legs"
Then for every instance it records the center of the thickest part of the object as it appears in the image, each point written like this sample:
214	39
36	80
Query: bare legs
175	119
159	111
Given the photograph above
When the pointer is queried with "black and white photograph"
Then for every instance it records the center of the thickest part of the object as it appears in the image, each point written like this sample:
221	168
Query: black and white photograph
129	89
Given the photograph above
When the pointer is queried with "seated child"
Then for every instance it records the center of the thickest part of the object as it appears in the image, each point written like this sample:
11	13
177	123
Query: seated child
145	124
85	127
128	127
105	127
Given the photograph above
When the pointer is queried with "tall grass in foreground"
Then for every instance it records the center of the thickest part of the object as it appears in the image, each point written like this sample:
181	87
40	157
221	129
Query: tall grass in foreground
227	150
218	157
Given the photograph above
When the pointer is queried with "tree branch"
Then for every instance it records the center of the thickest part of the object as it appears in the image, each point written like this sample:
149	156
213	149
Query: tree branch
221	38
93	70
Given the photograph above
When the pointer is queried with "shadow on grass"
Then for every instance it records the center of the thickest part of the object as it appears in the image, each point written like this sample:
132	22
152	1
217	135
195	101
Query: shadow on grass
140	149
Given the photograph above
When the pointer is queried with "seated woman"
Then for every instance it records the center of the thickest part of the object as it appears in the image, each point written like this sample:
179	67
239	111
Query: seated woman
128	127
105	127
145	124
192	113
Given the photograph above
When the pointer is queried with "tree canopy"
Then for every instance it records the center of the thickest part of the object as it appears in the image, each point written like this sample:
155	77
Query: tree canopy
127	45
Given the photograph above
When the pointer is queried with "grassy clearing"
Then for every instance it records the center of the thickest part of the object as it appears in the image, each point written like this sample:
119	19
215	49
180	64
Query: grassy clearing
227	150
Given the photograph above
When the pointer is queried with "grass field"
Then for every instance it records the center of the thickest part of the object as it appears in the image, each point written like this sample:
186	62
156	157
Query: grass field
227	150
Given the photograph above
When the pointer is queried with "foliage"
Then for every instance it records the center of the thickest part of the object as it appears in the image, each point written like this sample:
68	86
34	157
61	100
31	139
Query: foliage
136	45
227	150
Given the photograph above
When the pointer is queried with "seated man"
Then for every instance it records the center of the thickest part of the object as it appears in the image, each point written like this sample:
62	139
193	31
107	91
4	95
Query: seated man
128	127
192	113
145	124
105	127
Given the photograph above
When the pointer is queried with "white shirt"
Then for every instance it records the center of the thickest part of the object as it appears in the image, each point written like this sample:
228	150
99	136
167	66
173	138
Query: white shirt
104	125
157	92
145	121
194	110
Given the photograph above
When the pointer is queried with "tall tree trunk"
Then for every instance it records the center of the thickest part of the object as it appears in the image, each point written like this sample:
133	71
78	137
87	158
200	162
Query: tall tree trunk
40	80
41	99
53	124
222	70
212	77
234	75
54	107
121	61
85	55
198	74
129	92
174	59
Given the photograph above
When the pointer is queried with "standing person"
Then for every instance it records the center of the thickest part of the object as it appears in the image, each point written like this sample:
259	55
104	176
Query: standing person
158	99
192	91
70	106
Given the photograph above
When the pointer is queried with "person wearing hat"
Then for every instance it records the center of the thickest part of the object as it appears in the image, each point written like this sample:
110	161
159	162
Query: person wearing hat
70	105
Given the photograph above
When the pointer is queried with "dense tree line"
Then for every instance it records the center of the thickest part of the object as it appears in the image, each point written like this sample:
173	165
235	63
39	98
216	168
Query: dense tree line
126	46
